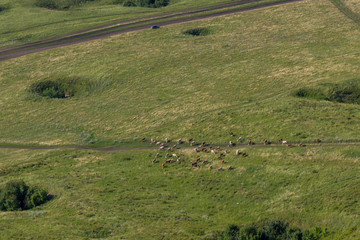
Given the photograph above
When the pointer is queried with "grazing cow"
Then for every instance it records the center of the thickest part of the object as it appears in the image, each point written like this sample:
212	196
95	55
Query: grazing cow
240	139
195	150
154	160
237	152
289	145
317	140
250	142
210	167
230	168
174	155
213	152
244	154
143	139
163	165
203	144
220	168
284	142
192	143
169	160
178	159
265	142
231	134
161	147
217	148
157	155
166	140
190	140
222	161
231	144
301	145
179	141
205	162
280	140
167	155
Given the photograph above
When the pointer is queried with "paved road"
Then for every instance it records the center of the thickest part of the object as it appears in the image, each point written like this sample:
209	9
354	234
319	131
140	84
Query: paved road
133	25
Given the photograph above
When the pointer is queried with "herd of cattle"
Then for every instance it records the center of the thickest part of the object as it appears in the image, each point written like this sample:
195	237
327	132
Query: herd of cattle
203	147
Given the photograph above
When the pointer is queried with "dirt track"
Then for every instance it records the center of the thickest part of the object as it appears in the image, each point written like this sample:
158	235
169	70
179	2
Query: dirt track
183	146
129	26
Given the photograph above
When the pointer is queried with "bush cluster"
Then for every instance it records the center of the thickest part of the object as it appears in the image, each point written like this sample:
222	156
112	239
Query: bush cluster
59	87
344	93
197	31
145	3
59	4
16	195
273	230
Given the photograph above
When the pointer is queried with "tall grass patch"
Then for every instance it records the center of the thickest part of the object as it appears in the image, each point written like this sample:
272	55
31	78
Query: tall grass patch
65	86
348	92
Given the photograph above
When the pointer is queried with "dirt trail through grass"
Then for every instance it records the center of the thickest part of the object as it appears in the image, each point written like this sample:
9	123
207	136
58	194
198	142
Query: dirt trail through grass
185	146
137	25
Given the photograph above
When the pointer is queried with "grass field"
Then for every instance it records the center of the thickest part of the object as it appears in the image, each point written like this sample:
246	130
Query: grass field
240	78
23	22
353	5
124	196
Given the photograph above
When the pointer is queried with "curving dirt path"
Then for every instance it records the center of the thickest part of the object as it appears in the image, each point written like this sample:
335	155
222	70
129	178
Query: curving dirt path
185	146
134	25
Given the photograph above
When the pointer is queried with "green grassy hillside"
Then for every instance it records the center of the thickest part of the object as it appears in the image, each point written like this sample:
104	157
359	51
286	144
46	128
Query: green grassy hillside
353	5
125	196
241	75
240	78
22	21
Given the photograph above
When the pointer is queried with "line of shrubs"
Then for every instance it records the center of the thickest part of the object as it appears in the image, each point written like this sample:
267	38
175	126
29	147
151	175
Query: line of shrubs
59	4
343	93
16	195
144	3
273	230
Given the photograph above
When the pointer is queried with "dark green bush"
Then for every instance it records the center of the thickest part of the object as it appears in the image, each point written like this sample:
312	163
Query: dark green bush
344	94
3	8
348	92
16	195
197	31
59	4
145	3
273	230
59	87
310	93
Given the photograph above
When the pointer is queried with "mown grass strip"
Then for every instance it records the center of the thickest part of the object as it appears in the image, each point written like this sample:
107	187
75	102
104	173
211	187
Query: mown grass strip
339	4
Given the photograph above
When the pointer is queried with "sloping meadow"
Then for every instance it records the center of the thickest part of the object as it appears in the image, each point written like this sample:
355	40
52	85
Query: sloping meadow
239	78
124	195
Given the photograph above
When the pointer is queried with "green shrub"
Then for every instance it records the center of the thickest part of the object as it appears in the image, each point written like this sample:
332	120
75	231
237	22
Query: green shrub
348	92
310	93
3	8
197	31
273	230
344	94
16	195
60	87
145	3
59	4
